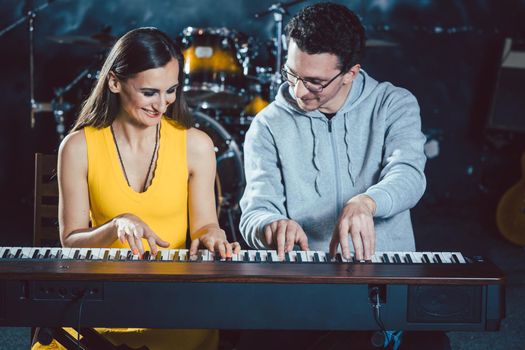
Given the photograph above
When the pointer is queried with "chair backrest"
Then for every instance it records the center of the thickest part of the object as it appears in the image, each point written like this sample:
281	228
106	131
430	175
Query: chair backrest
46	201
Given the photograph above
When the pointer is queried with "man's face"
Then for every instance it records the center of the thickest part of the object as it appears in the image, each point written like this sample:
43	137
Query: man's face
318	69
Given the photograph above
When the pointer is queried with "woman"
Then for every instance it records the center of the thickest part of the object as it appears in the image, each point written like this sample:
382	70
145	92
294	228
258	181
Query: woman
135	169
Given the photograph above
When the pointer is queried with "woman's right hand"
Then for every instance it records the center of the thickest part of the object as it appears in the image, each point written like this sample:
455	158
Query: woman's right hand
132	229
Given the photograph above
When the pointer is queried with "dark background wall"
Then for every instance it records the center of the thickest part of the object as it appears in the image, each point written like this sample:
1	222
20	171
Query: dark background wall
447	53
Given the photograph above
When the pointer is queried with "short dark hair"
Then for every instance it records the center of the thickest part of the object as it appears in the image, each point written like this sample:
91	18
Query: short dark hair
138	50
329	28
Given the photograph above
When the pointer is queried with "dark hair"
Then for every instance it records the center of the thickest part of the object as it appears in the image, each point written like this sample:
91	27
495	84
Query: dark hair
329	28
136	51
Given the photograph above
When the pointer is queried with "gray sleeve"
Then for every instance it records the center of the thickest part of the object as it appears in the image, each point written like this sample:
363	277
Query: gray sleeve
263	200
402	180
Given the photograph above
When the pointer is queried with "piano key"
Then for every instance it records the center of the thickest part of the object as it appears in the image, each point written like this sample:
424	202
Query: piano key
273	257
376	258
408	258
437	258
397	258
184	255
146	255
426	259
129	255
158	256
18	253
4	251
264	255
35	253
446	257
385	258
459	258
25	253
302	256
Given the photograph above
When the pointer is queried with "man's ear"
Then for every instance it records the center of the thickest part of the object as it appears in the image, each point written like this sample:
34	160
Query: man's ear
113	83
351	74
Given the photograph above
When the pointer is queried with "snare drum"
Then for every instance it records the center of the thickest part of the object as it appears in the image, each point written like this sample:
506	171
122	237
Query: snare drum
216	64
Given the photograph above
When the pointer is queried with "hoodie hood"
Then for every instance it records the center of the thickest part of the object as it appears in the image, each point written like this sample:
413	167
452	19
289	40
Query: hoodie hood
362	86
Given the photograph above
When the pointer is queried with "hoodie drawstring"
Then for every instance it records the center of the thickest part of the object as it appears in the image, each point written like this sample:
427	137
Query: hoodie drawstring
315	160
347	144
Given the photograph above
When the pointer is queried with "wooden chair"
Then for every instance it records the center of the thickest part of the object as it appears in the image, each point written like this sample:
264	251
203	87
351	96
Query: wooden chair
46	201
46	234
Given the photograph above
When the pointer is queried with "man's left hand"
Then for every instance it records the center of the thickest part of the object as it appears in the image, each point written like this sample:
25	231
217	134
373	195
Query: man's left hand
357	221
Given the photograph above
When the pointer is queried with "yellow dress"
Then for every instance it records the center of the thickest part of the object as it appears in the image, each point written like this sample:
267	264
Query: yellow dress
163	206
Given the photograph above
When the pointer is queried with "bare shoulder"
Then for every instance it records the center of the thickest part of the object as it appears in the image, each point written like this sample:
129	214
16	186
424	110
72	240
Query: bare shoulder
199	143
73	149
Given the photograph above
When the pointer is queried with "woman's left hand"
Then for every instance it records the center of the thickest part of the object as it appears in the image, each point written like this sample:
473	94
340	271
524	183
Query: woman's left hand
214	239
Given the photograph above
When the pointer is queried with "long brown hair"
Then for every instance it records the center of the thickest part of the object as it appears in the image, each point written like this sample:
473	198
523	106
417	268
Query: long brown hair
136	51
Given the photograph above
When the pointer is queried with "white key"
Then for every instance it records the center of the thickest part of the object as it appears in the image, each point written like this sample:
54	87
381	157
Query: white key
183	255
303	255
264	255
460	257
310	255
291	256
376	258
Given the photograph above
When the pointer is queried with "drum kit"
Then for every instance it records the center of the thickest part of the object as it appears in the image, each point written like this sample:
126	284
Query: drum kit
229	78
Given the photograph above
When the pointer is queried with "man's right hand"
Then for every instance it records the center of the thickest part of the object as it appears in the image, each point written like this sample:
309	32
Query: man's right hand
283	235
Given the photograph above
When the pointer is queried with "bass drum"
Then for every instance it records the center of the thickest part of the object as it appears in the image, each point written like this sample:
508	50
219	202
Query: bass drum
230	180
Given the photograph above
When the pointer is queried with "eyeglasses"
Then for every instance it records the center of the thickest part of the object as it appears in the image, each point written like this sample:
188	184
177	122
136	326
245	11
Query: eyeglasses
311	86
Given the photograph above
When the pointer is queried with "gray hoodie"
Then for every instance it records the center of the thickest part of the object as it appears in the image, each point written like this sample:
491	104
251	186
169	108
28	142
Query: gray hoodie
301	166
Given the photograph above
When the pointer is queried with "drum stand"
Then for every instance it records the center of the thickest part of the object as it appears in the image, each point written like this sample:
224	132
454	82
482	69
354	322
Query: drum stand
278	10
30	16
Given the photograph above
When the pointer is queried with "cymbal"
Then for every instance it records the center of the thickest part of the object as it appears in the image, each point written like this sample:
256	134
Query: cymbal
101	40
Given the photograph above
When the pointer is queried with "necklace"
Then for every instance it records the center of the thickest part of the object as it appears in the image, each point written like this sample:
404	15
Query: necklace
150	163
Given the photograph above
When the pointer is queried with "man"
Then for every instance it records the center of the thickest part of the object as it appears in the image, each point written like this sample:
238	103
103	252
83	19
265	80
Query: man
337	158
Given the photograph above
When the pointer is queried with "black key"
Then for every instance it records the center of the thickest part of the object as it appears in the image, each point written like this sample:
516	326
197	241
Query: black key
287	257
36	254
338	258
455	259
386	260
258	257
176	256
158	257
426	260
89	255
117	255
246	256
60	255
298	258
200	258
437	258
270	258
397	259
129	256
146	255
316	257
6	254
77	254
47	253
18	253
408	259
106	255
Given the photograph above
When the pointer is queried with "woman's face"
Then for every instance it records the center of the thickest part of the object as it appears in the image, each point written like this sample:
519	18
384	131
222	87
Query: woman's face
145	97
